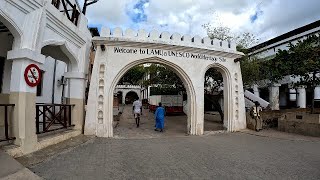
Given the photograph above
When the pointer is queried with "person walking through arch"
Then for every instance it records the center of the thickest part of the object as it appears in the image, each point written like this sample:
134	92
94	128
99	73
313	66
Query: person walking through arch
159	116
137	111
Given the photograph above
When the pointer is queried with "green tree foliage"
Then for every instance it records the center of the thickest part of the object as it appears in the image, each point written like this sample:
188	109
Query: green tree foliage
243	40
133	76
163	77
250	67
302	60
251	70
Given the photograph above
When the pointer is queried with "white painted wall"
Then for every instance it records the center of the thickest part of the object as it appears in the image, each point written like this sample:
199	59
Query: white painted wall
283	44
47	85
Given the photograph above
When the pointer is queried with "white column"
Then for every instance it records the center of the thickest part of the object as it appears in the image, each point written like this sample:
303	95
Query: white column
317	92
24	98
274	96
124	93
302	97
76	89
256	90
148	93
292	94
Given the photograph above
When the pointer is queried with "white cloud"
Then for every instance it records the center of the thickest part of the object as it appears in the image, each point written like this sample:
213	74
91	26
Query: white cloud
186	16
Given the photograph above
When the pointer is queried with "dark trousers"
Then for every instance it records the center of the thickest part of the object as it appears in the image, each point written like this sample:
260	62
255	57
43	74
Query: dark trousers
258	123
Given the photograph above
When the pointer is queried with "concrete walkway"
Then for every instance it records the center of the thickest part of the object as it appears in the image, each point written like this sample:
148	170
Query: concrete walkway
220	156
10	169
175	126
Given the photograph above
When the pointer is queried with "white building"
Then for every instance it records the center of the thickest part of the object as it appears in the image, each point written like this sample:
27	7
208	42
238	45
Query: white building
41	32
282	94
123	91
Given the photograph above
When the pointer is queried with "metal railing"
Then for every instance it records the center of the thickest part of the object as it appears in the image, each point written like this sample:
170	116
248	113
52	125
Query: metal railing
67	7
51	117
6	122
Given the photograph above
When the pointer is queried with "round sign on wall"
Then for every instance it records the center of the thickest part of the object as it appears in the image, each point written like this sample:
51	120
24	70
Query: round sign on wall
32	75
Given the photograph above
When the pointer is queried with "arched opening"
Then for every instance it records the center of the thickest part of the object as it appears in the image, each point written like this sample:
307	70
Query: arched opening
10	39
130	97
55	92
213	100
224	99
61	52
177	121
59	60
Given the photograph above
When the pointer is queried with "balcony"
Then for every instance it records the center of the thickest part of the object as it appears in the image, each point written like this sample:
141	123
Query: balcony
71	10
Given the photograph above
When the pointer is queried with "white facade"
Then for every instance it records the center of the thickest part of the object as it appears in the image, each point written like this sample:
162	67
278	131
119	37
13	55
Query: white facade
51	88
125	89
189	57
268	50
39	33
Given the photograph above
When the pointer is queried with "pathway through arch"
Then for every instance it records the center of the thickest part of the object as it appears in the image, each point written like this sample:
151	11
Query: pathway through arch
125	127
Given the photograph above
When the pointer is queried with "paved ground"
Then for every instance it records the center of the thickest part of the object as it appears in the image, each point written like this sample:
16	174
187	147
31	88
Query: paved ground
220	156
10	169
174	125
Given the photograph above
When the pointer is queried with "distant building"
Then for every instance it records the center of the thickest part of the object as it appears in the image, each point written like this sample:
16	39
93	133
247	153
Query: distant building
282	95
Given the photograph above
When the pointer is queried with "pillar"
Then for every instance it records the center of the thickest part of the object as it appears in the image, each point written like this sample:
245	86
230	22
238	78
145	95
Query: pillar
76	83
302	97
256	90
317	93
196	126
274	96
148	92
24	98
292	94
124	93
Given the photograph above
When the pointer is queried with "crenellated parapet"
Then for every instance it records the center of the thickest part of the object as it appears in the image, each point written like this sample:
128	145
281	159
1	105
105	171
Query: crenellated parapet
166	38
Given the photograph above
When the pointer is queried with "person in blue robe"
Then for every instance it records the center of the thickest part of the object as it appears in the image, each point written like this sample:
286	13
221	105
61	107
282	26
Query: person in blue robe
159	116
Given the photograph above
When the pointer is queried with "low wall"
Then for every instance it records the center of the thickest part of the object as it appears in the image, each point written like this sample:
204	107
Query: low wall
300	123
271	117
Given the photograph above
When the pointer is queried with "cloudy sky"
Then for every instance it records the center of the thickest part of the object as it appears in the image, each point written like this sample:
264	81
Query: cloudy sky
264	18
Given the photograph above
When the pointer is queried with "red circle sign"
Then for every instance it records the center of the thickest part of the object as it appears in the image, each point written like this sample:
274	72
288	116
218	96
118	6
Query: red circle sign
32	75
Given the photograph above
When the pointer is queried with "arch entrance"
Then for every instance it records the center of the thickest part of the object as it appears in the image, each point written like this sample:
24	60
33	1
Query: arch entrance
130	97
188	57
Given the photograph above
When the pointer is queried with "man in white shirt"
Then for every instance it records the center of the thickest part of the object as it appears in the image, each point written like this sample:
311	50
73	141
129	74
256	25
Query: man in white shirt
137	111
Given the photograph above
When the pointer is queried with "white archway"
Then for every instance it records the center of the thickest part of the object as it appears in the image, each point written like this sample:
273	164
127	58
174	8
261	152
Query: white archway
60	50
188	57
226	75
178	70
13	28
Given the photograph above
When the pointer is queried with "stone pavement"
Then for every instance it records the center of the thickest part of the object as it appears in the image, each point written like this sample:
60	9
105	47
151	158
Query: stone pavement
10	169
220	156
174	125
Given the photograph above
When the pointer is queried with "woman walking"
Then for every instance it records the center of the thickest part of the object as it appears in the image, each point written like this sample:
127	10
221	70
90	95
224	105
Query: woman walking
159	116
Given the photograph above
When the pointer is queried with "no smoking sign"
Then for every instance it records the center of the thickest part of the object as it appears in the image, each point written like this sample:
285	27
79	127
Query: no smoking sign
32	75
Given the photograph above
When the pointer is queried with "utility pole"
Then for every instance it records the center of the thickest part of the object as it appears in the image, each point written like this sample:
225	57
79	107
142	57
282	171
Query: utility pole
87	3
